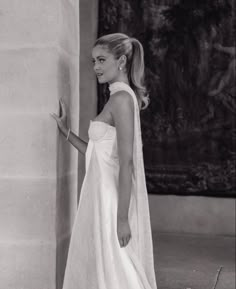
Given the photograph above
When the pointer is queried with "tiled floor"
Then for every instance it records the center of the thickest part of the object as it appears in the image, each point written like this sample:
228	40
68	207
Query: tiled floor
194	261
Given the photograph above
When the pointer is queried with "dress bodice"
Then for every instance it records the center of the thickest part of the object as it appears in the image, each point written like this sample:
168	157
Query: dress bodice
102	139
99	130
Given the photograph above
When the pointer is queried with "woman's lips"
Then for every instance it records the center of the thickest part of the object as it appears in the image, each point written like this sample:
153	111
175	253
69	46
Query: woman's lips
99	74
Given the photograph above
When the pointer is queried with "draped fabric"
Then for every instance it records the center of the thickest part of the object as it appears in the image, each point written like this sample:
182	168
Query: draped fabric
95	258
145	247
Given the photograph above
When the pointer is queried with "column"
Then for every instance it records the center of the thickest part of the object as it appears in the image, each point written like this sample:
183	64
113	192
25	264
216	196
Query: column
39	56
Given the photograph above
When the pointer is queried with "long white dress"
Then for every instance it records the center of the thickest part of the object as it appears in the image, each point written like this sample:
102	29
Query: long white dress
95	258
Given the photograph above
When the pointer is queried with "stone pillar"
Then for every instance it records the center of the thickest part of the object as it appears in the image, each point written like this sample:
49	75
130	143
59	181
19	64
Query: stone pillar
39	57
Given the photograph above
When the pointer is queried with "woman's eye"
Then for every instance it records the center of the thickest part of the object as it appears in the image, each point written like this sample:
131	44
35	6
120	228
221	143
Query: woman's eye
101	60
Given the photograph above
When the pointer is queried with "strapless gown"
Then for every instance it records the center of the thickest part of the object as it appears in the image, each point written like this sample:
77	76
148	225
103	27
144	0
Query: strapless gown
95	258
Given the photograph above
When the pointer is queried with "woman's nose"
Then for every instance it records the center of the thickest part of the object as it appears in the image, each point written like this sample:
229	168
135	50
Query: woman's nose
96	66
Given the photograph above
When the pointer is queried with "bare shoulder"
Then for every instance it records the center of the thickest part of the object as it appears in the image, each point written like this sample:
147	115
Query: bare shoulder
121	101
122	111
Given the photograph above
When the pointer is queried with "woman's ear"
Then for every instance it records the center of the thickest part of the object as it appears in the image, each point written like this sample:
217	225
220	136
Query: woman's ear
122	61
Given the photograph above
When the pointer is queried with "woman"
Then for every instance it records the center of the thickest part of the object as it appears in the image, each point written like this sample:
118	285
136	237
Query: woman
111	242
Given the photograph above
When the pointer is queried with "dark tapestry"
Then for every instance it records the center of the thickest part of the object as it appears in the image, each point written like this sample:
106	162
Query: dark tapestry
189	128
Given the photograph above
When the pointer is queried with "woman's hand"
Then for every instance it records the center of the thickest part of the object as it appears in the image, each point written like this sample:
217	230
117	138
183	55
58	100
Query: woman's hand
62	118
123	232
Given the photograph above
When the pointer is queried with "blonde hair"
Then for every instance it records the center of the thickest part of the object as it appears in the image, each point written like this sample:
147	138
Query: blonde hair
120	44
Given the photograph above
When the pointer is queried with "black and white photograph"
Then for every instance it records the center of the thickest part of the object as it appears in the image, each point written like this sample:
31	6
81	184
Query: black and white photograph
118	144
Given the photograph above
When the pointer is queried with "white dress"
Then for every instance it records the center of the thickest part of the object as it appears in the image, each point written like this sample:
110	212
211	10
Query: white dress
95	258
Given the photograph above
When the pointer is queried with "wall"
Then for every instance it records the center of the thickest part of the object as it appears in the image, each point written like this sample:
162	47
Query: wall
39	56
192	215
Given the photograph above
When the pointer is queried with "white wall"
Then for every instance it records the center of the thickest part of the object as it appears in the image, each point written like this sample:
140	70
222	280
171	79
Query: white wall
39	63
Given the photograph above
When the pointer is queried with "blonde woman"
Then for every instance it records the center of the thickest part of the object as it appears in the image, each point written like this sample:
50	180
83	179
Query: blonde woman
111	243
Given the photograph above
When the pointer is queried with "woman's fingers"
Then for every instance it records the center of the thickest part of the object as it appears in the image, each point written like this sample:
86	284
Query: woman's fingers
124	241
54	116
61	118
63	107
127	240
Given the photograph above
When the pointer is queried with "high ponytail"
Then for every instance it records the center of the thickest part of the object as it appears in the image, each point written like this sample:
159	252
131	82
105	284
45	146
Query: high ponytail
136	73
120	44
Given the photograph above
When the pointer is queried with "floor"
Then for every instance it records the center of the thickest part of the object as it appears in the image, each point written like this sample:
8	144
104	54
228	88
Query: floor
194	261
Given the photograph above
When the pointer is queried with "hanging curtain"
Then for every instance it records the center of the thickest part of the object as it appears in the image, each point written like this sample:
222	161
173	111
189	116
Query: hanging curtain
189	131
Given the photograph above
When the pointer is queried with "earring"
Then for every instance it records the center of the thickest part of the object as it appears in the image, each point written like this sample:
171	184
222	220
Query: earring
120	68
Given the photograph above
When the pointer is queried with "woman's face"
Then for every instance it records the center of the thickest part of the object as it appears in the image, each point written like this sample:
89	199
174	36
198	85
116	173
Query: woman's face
106	66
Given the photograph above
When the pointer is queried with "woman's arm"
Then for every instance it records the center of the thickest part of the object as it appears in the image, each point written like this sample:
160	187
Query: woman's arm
76	141
123	116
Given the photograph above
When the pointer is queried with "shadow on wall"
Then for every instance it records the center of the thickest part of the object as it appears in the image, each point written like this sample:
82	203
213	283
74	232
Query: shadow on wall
65	181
